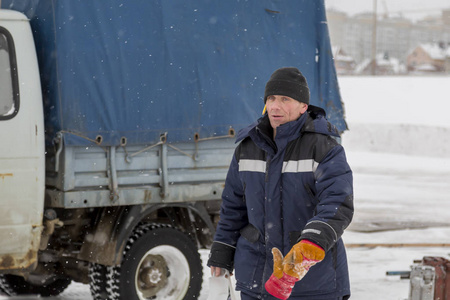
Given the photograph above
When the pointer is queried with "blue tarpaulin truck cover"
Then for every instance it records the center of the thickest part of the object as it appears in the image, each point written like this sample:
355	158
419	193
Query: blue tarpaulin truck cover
141	68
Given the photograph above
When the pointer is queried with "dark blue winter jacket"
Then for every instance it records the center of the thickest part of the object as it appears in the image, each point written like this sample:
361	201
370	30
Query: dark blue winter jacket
278	192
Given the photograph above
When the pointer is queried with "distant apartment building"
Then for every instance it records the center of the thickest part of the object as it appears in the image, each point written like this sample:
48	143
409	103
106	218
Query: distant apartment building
395	37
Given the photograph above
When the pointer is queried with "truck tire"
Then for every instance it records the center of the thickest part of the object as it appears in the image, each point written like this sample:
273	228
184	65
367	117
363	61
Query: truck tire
97	281
159	262
13	285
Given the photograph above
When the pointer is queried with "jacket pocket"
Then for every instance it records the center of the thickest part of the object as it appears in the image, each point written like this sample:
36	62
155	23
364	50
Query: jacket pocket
250	233
249	264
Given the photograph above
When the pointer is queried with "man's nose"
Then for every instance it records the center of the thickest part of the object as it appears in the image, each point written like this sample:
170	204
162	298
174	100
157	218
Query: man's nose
275	105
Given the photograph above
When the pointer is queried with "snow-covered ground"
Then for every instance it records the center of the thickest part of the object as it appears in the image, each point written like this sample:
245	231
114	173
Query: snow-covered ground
399	149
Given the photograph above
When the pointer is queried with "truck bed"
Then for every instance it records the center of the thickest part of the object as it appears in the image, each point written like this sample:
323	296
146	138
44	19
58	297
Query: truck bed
160	173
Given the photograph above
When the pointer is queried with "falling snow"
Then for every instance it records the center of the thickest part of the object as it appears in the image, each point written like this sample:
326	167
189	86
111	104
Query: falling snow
402	187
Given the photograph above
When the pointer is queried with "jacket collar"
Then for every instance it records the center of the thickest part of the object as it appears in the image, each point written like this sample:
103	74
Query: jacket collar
318	123
261	136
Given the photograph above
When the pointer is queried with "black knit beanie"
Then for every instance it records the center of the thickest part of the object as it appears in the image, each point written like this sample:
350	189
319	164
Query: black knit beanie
288	82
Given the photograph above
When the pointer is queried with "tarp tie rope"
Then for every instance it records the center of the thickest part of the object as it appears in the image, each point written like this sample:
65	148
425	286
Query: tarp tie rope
84	137
143	150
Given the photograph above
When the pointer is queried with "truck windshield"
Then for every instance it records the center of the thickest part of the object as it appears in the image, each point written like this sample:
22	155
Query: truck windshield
7	103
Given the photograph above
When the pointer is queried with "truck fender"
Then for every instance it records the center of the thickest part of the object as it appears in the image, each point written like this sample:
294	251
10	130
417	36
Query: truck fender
113	226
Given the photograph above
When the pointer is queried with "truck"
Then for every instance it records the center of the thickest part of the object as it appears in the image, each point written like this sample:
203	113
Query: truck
118	120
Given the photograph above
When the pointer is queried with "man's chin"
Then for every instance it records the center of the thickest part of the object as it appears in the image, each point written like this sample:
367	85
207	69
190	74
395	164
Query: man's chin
274	125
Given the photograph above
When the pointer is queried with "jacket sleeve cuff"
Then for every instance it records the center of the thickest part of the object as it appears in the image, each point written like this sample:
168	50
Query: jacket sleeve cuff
320	233
222	256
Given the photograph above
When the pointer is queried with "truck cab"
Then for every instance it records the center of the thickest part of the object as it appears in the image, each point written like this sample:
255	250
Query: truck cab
22	157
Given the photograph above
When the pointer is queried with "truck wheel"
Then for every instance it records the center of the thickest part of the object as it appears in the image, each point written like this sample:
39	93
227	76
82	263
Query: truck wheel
14	285
97	281
159	262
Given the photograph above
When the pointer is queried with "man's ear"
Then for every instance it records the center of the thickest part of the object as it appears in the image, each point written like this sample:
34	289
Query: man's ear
304	108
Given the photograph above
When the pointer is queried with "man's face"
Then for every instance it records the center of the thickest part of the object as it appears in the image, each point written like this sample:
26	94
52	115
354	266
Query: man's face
283	109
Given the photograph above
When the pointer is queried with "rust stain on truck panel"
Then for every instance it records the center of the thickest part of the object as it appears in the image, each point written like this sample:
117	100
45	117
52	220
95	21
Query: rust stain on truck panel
6	262
21	262
147	196
3	175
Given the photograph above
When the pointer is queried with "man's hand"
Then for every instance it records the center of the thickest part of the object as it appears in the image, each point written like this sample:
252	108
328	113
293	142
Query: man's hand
279	284
302	256
217	272
287	271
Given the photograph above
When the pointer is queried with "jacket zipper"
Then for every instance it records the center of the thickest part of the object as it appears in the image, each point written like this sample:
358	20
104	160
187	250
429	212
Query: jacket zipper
266	179
281	217
267	170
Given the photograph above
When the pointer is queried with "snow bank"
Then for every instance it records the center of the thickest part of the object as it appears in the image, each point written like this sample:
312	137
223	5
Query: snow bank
406	139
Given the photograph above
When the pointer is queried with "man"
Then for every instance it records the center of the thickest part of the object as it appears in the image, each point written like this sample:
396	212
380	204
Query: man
289	187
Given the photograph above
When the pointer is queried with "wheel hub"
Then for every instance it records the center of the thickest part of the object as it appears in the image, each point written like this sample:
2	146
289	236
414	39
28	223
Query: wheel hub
152	275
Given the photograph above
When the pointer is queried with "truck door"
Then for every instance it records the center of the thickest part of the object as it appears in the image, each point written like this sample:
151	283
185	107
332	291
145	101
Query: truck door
21	145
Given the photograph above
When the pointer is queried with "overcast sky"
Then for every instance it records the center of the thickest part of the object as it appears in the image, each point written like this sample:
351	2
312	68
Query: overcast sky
413	9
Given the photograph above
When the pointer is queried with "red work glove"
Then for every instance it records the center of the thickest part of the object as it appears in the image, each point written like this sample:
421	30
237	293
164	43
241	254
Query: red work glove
287	271
279	284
